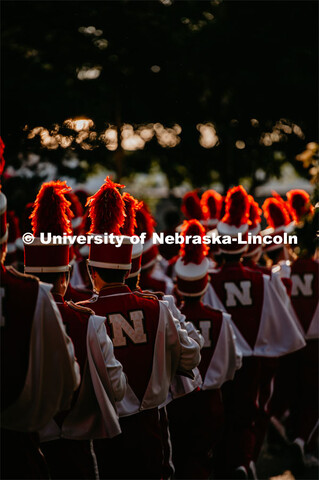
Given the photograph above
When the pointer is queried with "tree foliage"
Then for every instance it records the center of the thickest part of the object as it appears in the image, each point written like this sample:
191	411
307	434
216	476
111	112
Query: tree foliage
183	62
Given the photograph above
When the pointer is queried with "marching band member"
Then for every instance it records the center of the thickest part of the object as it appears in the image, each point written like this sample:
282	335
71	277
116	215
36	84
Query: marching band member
254	251
39	373
211	203
152	276
66	438
296	387
304	297
181	385
220	360
277	216
191	207
255	308
148	342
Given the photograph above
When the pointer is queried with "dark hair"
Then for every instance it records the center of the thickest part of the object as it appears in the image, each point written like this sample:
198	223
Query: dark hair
132	282
52	277
229	257
192	299
274	254
110	275
218	258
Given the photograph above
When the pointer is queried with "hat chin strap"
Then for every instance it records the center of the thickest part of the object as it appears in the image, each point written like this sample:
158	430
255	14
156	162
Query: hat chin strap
91	278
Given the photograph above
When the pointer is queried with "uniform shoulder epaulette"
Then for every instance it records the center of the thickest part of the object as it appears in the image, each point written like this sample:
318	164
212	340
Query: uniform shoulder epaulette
24	276
79	308
159	295
147	295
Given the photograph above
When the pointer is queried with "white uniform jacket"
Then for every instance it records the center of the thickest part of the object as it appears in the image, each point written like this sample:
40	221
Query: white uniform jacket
53	373
94	413
278	332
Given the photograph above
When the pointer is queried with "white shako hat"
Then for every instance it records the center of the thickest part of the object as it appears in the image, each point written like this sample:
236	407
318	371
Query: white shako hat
51	214
106	210
137	251
235	220
192	265
277	217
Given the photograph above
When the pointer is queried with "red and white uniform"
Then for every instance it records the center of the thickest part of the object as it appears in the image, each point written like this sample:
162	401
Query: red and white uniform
272	379
302	372
219	361
39	372
282	272
43	371
181	384
136	326
219	357
93	413
76	295
263	328
255	307
249	263
304	295
151	347
269	366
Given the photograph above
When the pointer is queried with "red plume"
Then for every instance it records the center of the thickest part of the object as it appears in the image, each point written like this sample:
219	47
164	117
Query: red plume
106	209
51	213
211	203
237	207
275	213
131	205
285	205
193	253
145	221
254	212
299	201
191	206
